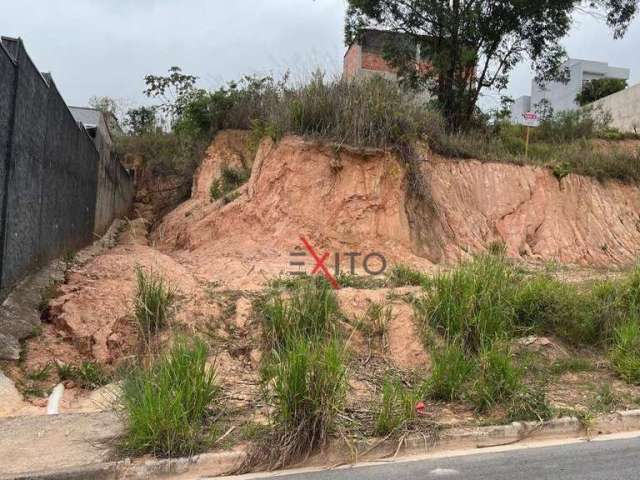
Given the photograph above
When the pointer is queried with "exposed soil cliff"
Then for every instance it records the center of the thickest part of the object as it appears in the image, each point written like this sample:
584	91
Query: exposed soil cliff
359	201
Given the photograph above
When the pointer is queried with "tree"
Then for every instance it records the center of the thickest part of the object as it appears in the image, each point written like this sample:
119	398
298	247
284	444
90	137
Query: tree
141	120
599	88
174	90
474	44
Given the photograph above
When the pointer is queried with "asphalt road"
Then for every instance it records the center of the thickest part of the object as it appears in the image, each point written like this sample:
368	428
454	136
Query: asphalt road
610	460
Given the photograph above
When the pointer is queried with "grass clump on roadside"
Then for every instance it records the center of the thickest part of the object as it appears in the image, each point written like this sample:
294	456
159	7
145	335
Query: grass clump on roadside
304	373
167	404
471	304
153	301
308	389
397	407
499	378
528	403
451	371
88	375
625	351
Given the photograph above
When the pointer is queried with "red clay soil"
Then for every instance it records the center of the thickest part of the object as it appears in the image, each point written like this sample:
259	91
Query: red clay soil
342	200
357	201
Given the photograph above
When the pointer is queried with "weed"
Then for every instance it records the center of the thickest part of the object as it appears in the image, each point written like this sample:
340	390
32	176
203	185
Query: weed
230	179
499	379
166	406
529	404
69	257
376	320
571	364
89	375
40	374
605	400
310	311
48	293
34	391
625	351
450	373
403	276
397	407
497	248
472	303
307	386
549	306
152	302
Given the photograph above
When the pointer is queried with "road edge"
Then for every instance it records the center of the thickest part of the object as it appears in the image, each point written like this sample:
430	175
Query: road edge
340	452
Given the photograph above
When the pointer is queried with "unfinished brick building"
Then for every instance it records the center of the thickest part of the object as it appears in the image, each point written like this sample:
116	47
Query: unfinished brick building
365	56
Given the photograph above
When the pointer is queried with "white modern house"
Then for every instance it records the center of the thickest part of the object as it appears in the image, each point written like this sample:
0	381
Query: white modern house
562	96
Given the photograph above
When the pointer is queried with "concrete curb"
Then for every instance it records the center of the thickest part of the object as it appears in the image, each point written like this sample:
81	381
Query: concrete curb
215	464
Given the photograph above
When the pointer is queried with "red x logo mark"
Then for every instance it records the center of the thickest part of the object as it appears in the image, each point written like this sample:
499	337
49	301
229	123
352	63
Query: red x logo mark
320	264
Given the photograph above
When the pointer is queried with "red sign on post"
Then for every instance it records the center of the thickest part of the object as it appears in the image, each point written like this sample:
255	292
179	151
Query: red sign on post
531	119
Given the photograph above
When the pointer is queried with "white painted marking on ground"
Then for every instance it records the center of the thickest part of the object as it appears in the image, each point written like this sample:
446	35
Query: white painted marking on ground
442	472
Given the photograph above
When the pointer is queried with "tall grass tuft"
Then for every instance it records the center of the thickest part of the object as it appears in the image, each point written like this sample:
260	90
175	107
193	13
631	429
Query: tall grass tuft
304	374
397	407
307	388
472	303
166	405
625	351
308	311
403	276
450	373
152	302
499	379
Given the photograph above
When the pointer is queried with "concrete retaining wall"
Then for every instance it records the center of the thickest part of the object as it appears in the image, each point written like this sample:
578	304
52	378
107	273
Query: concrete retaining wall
624	107
48	171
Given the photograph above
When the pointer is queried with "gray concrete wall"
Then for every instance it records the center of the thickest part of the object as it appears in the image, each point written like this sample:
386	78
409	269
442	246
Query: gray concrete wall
48	171
624	107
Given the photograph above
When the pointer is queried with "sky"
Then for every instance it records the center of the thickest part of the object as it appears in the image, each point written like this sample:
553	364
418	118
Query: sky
106	47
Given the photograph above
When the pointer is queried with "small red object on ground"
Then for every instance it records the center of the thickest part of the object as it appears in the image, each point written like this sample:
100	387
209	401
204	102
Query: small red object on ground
420	408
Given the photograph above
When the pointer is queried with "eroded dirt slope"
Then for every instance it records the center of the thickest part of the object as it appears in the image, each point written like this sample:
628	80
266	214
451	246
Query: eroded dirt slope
358	201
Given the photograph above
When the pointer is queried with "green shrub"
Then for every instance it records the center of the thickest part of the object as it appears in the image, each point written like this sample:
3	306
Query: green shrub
499	379
152	302
89	375
451	370
473	303
397	407
404	276
308	311
625	351
167	405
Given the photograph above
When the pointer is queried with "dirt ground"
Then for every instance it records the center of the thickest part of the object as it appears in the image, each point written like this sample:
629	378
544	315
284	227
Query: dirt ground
219	256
